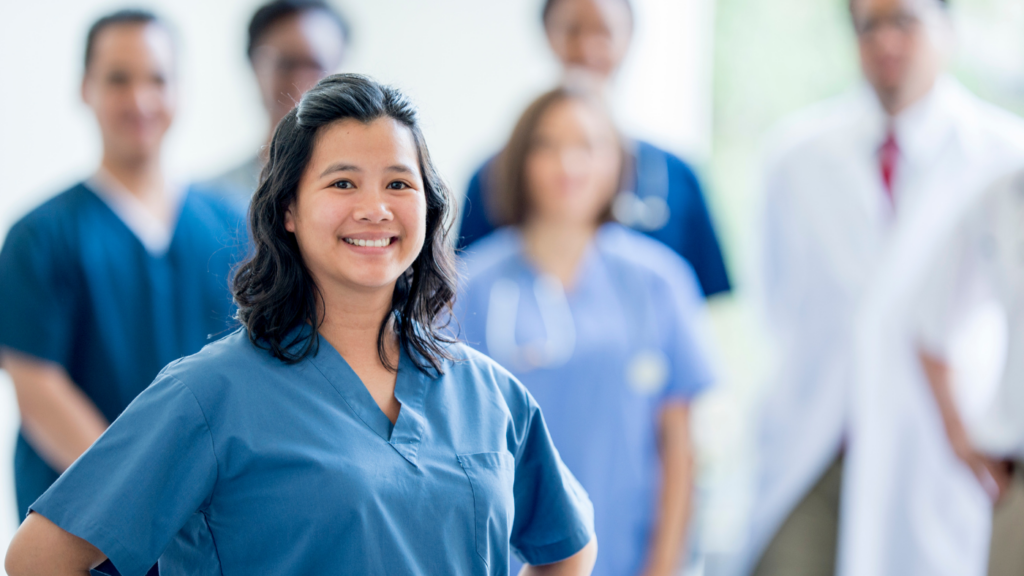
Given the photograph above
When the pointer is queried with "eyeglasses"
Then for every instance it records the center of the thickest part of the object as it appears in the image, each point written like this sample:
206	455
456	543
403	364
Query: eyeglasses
902	22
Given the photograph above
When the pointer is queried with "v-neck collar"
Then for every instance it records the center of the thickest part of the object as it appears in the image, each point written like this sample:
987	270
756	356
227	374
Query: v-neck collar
410	389
154	235
584	268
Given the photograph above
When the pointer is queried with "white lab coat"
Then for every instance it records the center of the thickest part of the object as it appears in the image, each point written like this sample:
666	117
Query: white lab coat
912	507
828	226
980	269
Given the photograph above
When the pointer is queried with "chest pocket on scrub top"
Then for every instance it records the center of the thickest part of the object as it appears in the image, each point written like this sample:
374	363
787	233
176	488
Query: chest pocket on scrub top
491	475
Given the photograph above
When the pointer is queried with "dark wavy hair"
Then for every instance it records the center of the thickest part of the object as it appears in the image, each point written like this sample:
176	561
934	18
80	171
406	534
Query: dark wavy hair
274	289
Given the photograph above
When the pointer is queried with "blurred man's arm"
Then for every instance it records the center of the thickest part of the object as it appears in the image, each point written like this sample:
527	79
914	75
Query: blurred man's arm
57	418
994	477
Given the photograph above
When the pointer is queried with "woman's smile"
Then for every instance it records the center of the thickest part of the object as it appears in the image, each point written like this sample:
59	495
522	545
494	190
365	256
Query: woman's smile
370	243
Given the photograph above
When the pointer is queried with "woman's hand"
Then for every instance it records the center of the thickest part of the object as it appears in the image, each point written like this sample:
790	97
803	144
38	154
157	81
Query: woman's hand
579	564
41	547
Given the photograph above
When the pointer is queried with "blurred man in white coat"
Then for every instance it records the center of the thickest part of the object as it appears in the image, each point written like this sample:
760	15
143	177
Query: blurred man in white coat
941	396
841	182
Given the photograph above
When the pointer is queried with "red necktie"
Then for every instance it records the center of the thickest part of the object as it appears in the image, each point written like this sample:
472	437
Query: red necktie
888	154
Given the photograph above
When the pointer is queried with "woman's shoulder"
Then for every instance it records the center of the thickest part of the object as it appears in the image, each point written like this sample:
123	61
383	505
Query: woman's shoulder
466	360
470	367
220	365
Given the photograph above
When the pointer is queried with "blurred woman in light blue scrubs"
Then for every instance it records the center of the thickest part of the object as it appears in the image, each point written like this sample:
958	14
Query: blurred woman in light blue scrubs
598	321
339	431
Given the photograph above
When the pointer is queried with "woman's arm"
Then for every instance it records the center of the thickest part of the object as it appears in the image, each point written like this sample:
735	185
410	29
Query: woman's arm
41	547
667	544
579	564
58	419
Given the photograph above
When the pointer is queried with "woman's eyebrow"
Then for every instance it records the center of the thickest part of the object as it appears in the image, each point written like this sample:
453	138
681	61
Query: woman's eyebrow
399	168
340	167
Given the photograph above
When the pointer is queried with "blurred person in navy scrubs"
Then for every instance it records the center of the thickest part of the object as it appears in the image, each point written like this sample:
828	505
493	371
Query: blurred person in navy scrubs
110	280
292	45
660	194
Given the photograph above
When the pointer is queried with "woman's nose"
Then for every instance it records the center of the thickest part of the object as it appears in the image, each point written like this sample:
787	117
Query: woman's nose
372	207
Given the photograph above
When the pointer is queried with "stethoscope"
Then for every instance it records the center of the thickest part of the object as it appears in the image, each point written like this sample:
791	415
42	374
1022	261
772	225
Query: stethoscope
649	212
647	370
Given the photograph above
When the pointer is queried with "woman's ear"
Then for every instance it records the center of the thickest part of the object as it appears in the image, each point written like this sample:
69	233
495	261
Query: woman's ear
289	218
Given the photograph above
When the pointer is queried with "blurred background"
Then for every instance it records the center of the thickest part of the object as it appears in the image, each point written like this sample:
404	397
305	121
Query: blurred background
705	79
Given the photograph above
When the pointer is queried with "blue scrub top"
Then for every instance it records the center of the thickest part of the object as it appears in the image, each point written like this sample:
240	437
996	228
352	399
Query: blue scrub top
79	289
689	231
235	463
632	296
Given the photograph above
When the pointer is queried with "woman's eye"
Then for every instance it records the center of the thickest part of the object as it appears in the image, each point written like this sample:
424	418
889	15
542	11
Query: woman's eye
343	184
396	185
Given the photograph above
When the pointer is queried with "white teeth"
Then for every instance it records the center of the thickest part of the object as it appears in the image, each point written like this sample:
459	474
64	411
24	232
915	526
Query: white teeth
371	243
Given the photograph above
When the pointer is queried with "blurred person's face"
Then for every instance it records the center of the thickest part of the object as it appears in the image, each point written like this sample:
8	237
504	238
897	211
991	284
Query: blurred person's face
129	85
901	47
590	37
573	166
359	216
293	55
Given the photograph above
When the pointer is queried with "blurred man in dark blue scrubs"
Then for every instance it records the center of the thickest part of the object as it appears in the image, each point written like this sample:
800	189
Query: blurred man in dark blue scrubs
660	195
112	279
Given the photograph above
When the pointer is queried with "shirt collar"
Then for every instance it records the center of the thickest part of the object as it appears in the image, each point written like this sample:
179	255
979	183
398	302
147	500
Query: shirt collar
153	233
922	128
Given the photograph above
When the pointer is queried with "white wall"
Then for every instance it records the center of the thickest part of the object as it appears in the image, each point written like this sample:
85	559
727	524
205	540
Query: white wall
471	65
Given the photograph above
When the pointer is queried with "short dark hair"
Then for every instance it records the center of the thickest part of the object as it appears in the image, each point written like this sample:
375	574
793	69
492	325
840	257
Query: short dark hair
509	205
274	289
272	12
124	16
549	5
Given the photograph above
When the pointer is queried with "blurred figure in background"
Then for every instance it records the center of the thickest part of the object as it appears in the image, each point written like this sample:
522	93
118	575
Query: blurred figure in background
599	322
660	195
840	185
945	452
293	44
109	281
984	259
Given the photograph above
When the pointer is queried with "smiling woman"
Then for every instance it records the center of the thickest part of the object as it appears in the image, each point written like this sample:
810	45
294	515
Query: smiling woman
338	431
345	172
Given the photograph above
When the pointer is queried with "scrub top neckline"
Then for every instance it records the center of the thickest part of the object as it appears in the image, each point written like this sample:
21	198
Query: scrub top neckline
138	221
590	253
410	388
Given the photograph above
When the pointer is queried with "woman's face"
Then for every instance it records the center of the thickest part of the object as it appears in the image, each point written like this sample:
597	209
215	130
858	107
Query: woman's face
359	216
573	166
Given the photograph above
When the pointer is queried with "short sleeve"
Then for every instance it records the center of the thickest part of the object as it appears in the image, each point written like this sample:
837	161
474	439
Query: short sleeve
554	518
689	334
142	480
37	295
